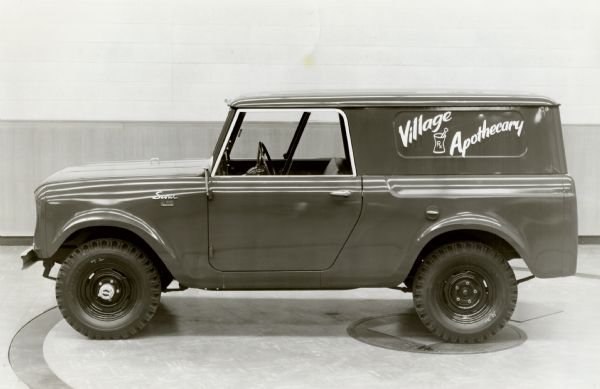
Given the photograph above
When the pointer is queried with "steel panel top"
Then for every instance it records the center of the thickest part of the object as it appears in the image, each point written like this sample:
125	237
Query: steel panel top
389	98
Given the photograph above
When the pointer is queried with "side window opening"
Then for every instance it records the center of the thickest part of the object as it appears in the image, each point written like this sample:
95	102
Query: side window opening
323	143
282	142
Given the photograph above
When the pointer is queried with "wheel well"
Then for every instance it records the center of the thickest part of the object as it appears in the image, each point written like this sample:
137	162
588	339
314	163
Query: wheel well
90	233
492	240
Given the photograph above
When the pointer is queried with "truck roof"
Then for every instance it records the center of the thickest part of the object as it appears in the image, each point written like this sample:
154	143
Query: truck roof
388	98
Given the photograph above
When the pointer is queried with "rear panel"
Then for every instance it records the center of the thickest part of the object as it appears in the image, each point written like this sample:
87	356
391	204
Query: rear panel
496	169
529	212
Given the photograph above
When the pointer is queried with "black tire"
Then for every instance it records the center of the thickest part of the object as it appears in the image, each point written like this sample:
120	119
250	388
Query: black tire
465	292
108	289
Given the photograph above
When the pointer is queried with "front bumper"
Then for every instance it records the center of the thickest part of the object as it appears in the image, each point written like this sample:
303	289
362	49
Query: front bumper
29	257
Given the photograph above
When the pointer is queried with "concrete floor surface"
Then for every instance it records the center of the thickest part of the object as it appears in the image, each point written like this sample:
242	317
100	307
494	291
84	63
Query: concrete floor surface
296	339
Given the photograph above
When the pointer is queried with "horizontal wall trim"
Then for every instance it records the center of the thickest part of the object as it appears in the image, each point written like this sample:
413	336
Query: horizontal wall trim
78	121
589	239
28	240
174	122
16	240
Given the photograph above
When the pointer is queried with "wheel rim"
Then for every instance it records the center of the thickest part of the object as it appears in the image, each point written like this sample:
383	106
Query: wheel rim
467	295
107	290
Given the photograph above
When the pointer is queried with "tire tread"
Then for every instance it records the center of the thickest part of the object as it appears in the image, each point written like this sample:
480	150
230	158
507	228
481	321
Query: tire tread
458	248
120	247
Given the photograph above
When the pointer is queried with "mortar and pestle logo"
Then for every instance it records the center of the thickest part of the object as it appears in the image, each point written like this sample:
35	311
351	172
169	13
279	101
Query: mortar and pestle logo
439	139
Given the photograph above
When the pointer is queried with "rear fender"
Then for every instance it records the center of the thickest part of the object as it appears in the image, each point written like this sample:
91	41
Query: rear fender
471	221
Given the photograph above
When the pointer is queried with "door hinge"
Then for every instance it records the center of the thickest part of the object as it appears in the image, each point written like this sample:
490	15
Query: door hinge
211	252
206	184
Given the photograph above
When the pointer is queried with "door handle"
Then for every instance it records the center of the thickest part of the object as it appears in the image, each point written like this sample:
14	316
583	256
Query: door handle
341	193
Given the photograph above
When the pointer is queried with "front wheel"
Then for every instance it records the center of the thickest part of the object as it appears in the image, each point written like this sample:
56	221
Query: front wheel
108	289
464	292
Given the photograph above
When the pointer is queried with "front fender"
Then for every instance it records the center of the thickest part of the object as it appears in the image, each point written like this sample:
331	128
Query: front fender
107	217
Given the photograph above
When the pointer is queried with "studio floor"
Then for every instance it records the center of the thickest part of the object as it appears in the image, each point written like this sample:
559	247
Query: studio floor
364	338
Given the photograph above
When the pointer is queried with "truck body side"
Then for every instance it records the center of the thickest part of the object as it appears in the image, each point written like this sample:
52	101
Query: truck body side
525	206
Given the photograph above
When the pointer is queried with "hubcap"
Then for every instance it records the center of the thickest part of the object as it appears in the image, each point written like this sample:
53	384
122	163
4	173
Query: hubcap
465	291
466	294
107	290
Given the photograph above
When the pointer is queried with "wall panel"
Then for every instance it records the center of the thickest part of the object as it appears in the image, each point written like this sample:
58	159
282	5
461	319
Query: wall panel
31	151
92	80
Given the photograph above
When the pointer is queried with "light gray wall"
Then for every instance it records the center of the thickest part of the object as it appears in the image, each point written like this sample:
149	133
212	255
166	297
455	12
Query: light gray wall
171	60
111	62
583	162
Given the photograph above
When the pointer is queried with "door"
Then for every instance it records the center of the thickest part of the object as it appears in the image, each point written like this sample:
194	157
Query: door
292	212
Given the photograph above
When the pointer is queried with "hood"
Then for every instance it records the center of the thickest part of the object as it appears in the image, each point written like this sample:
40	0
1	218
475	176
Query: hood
131	169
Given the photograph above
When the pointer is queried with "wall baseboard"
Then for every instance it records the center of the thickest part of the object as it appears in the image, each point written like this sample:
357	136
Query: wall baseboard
589	239
28	240
16	240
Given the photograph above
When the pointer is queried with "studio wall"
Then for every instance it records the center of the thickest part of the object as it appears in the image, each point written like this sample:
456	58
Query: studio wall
85	81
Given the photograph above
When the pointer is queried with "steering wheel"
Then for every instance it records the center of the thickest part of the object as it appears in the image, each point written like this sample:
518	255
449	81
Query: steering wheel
264	159
264	165
224	168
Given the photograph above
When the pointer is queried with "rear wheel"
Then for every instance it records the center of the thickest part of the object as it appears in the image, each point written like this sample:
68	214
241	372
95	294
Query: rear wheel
465	292
108	289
